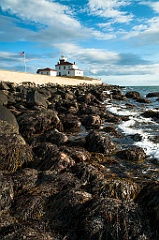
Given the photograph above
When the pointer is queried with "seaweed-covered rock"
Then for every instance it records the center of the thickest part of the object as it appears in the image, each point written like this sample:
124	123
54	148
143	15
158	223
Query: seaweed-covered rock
55	137
6	192
98	142
36	122
109	218
14	153
122	189
148	199
70	122
133	94
134	154
92	122
50	158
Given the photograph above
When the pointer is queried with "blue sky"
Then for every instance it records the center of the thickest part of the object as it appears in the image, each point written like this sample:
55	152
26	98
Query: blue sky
115	40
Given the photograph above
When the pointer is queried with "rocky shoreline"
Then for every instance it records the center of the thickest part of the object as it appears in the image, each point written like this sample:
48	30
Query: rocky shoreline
61	174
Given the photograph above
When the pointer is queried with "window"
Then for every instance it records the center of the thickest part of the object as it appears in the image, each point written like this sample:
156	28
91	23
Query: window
64	67
59	67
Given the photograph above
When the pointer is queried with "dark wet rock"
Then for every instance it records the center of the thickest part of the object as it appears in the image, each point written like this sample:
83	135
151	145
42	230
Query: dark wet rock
152	94
50	158
151	114
78	154
92	122
66	182
143	100
112	130
6	192
98	142
24	180
109	218
55	137
70	122
87	173
3	98
154	138
133	94
66	106
136	137
116	94
129	105
7	119
14	153
36	122
148	199
36	98
121	189
99	94
134	154
88	99
109	117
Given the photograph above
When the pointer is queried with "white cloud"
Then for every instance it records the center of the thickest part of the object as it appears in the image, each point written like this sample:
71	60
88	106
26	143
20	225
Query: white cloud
43	11
103	62
57	21
110	9
151	4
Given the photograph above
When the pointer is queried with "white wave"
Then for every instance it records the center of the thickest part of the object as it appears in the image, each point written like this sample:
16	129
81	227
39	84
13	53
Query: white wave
121	112
151	149
126	127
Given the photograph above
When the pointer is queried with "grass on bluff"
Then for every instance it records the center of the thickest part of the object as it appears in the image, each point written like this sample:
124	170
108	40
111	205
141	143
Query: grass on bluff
80	77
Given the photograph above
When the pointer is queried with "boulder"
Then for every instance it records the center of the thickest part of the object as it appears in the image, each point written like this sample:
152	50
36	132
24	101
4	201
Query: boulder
109	218
151	114
35	98
48	157
92	122
98	142
36	122
143	100
134	154
152	94
55	137
70	122
7	119
3	98
14	153
4	86
121	189
148	199
133	94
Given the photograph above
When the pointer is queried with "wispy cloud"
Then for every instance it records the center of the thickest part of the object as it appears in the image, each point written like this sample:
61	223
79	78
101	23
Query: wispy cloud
110	9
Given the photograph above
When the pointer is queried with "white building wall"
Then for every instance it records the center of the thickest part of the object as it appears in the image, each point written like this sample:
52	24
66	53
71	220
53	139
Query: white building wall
75	72
48	73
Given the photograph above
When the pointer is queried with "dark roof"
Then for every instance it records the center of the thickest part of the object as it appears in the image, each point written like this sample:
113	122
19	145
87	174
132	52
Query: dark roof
63	63
45	69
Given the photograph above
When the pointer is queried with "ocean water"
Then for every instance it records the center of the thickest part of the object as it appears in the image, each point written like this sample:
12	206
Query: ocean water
137	125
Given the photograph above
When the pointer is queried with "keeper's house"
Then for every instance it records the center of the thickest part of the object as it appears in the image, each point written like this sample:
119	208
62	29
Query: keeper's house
64	68
47	71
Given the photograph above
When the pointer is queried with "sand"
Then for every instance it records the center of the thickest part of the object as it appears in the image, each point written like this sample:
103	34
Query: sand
22	77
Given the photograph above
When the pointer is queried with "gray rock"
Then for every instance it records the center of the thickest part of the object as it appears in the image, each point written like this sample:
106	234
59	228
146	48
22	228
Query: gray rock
7	119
